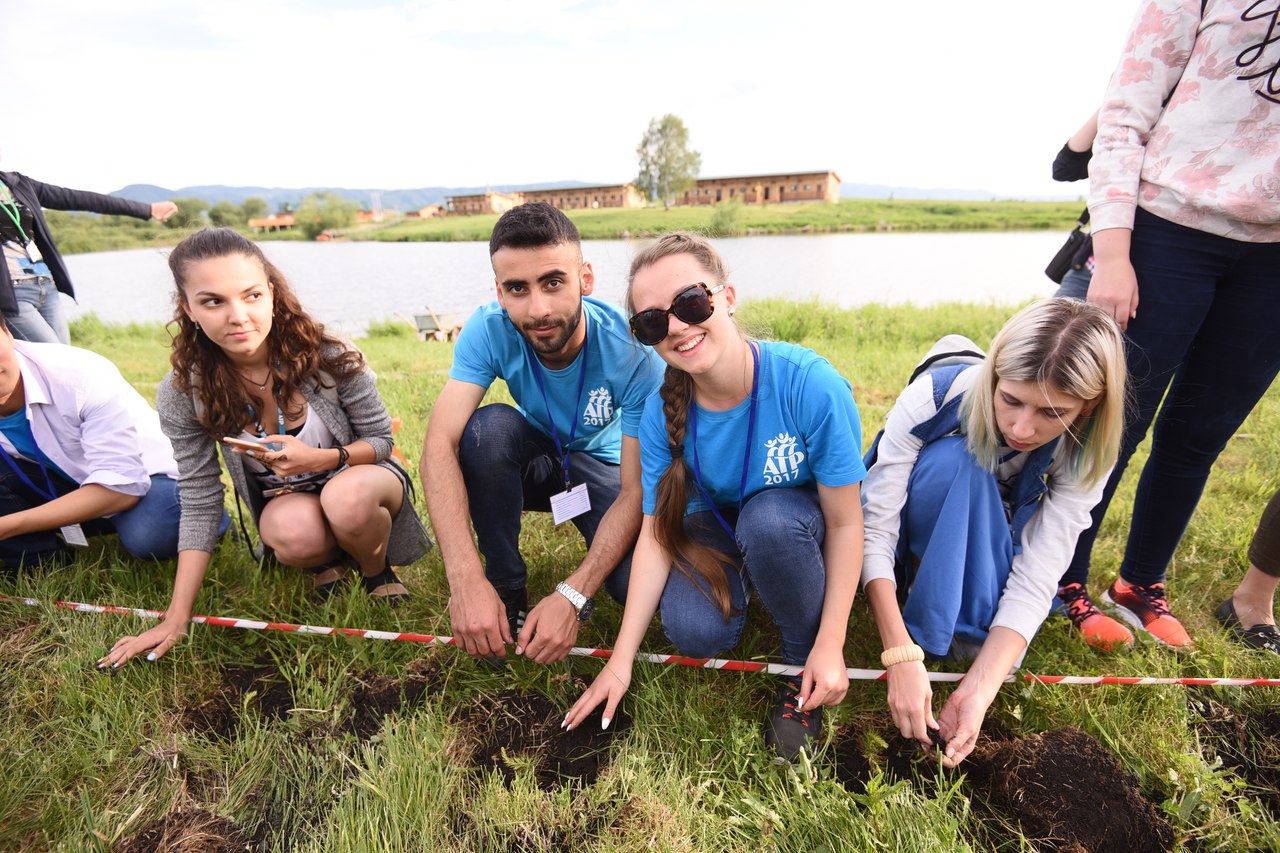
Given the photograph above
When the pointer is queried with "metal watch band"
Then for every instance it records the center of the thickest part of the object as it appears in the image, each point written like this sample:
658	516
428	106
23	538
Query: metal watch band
577	599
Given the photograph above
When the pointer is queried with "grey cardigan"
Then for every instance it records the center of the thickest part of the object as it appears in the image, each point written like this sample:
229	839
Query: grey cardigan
352	409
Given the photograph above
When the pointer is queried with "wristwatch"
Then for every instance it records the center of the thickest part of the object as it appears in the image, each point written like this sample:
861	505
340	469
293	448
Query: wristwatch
585	606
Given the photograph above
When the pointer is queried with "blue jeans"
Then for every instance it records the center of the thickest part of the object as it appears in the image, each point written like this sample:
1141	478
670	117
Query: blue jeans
149	530
1206	331
777	548
41	317
1075	284
955	550
509	466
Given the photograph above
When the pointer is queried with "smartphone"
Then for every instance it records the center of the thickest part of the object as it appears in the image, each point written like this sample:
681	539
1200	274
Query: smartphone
244	443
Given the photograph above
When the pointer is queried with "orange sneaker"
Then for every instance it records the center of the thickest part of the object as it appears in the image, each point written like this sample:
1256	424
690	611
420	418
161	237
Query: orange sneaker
1098	629
1145	607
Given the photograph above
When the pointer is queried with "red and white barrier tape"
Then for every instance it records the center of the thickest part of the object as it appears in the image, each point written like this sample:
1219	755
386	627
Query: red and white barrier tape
668	660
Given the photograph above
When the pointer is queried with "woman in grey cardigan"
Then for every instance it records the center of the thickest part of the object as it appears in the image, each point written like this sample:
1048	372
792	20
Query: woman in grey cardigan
302	429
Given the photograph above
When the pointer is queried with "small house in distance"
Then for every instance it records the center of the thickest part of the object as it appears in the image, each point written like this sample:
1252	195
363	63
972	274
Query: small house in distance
274	222
431	211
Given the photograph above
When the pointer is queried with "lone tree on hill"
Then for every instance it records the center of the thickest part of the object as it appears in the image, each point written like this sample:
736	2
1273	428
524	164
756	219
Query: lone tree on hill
668	166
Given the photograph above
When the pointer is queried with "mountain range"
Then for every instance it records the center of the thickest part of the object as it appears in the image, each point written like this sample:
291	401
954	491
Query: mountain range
414	199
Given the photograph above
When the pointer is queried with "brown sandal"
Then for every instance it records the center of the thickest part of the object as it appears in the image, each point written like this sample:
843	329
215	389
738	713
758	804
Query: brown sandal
328	579
385	586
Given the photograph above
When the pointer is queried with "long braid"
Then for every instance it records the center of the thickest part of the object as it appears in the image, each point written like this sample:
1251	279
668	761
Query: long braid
694	559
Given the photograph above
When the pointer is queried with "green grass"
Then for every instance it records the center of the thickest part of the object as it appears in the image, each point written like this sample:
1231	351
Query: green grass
847	215
91	758
80	232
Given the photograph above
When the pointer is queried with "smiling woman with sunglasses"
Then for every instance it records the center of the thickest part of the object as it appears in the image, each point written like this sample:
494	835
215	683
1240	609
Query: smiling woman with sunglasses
750	463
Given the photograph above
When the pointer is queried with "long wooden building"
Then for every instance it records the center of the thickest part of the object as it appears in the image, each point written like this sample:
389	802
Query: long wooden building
766	189
751	189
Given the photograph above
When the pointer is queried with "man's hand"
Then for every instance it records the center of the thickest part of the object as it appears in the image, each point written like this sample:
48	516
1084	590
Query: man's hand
479	619
550	630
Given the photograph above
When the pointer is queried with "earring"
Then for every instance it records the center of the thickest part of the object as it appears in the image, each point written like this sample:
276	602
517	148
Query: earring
731	310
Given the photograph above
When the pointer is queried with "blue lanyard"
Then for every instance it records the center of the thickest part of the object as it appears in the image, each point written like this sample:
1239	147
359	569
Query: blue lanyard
746	456
13	466
561	450
262	433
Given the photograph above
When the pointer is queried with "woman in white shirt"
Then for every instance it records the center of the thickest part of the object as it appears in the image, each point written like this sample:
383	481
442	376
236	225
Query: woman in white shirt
981	481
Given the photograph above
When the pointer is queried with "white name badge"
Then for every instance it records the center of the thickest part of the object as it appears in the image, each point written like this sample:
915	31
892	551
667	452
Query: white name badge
570	504
73	534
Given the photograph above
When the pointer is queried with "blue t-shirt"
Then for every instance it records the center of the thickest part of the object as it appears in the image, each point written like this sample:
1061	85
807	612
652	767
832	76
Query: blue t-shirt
807	431
17	429
621	374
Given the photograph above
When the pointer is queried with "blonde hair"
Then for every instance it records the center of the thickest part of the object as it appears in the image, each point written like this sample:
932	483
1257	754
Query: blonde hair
1068	346
695	560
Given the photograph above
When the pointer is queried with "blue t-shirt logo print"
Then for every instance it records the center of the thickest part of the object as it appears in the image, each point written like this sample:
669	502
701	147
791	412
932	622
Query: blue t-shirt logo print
782	459
599	408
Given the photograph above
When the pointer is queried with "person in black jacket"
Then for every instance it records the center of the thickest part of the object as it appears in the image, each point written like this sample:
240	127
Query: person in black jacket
33	272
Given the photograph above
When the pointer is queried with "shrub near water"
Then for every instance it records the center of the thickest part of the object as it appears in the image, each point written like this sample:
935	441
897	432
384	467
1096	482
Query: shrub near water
323	743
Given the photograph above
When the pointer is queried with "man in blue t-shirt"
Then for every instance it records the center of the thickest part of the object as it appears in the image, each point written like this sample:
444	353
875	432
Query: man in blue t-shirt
569	445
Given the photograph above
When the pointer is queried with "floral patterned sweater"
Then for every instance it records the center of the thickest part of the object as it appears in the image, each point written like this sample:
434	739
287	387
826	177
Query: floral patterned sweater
1190	126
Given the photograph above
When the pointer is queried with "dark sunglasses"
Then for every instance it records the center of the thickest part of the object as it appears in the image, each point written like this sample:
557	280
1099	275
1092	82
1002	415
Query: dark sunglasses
691	305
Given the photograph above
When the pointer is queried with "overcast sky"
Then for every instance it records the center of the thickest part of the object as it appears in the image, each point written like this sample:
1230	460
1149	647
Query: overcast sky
395	95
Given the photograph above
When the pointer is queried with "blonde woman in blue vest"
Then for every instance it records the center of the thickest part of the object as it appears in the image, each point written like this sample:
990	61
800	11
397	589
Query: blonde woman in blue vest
981	481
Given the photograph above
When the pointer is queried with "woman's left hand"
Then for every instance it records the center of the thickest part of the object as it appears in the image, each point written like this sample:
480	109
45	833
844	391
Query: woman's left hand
826	680
294	456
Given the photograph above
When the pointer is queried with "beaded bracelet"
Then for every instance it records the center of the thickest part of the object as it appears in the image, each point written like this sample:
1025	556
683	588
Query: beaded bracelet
901	654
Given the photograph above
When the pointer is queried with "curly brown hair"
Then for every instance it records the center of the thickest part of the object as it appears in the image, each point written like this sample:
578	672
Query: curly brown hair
298	347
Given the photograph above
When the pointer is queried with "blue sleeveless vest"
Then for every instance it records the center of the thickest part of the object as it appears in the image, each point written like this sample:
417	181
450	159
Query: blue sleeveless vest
1030	485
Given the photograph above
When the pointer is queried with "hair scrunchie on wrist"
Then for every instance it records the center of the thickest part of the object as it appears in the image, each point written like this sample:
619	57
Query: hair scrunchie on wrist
901	654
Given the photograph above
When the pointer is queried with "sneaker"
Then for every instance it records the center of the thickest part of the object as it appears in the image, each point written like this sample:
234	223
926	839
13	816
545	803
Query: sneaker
1262	637
1098	629
517	603
1145	607
789	730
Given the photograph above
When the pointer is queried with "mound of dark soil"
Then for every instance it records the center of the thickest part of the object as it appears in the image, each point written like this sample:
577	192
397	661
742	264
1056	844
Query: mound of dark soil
514	724
216	714
1248	743
901	759
187	831
376	695
1067	792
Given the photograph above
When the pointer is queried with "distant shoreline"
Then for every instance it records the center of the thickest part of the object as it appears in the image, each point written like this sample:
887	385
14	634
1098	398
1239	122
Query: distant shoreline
78	233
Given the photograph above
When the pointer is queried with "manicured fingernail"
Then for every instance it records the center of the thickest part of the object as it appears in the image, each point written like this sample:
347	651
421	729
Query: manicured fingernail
799	703
519	650
151	656
565	722
250	453
604	723
116	665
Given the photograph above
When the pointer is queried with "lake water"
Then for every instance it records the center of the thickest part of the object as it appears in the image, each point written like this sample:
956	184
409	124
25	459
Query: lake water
347	285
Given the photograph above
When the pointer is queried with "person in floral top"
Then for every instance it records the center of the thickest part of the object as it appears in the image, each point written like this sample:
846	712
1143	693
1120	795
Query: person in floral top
1185	203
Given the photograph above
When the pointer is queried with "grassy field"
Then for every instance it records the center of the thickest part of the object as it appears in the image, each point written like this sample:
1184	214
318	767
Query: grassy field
847	215
294	742
79	232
